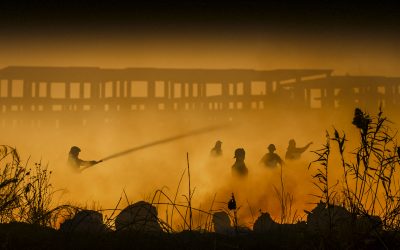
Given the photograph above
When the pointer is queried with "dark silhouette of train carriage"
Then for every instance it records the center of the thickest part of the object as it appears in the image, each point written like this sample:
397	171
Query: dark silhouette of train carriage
28	93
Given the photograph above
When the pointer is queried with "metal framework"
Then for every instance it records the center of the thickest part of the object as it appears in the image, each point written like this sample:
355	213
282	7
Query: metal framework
27	91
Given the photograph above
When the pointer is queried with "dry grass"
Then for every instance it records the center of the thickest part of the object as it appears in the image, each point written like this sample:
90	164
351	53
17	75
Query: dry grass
369	184
26	194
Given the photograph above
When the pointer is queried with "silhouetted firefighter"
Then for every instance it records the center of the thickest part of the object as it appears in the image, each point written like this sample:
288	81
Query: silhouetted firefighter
271	159
239	168
75	162
361	120
294	153
216	150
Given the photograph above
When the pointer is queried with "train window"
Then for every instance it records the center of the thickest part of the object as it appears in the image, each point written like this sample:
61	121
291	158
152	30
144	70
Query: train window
213	89
74	90
186	89
42	89
258	88
117	88
381	90
230	89
86	90
177	90
17	89
57	90
195	90
108	89
138	89
239	88
159	89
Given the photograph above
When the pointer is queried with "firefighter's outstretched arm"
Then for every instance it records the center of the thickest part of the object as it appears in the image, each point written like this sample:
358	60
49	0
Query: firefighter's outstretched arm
301	150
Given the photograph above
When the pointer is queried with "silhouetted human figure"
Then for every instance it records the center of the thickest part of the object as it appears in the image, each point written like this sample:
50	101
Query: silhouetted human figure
216	150
75	162
271	159
239	168
294	153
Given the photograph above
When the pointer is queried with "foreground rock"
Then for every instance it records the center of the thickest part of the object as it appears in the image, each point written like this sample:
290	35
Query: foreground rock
85	221
265	224
222	225
334	223
140	216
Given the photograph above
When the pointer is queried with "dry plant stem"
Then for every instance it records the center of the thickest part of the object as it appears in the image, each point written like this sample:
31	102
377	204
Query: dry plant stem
176	195
282	196
174	206
209	217
190	195
251	212
371	187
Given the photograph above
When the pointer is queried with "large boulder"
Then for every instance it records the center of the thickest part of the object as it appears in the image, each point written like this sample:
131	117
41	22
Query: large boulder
140	216
87	221
222	223
369	225
331	221
337	223
264	223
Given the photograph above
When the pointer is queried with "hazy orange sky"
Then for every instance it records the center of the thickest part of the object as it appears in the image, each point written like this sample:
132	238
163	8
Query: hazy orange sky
349	38
354	56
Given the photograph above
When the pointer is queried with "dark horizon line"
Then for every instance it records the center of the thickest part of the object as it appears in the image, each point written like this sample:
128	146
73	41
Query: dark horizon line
160	68
329	71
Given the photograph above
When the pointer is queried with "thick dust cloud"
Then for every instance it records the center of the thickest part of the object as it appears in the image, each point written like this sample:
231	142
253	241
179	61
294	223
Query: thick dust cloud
140	173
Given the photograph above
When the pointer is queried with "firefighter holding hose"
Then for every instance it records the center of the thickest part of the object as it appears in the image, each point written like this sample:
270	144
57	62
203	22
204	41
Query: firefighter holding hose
76	163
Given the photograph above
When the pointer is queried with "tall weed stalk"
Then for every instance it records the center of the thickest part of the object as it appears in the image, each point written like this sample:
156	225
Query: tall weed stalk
369	183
